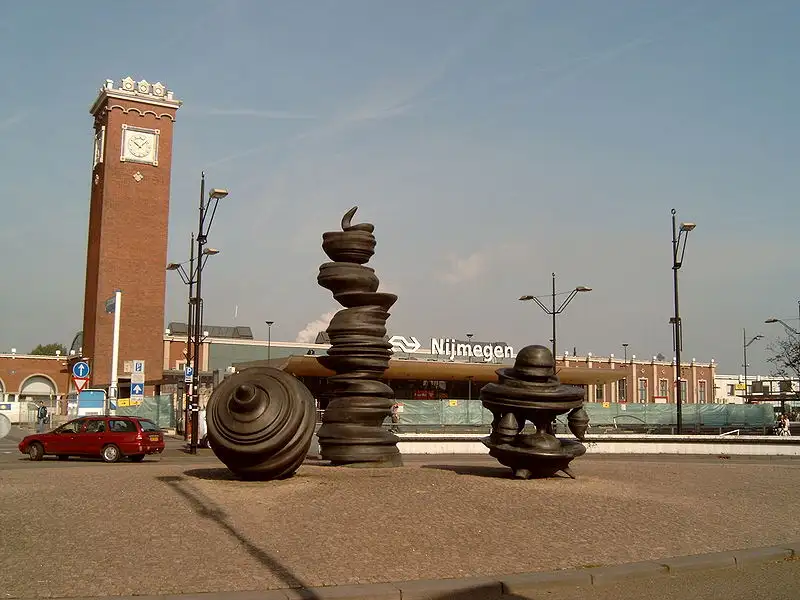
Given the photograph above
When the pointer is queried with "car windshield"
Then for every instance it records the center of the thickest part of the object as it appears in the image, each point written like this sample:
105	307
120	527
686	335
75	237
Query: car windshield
147	425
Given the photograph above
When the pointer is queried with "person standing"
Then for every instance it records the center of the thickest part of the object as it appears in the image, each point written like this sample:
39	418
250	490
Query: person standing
41	417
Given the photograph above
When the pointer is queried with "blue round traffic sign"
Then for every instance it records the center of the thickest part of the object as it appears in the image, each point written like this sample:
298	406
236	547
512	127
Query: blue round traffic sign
81	369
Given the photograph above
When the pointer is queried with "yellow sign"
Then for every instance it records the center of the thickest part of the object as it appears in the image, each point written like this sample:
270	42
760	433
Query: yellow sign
606	404
453	402
123	402
741	386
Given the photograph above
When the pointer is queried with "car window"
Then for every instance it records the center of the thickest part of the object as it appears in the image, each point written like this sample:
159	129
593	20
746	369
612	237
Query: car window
95	426
147	425
71	427
121	426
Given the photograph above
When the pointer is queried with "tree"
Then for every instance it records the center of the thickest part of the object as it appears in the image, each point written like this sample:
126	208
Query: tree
785	359
49	349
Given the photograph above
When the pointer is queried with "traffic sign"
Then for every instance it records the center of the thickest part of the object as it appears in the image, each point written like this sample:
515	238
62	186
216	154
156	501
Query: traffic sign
188	374
137	389
80	383
138	366
81	369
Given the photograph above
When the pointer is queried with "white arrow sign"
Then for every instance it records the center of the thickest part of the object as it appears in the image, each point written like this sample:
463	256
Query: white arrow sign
403	344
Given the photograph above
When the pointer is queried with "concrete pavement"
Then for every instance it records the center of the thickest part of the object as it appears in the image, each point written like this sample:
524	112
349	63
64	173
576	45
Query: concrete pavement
183	525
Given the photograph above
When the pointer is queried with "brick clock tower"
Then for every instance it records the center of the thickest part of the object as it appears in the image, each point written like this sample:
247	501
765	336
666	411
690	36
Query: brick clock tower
128	220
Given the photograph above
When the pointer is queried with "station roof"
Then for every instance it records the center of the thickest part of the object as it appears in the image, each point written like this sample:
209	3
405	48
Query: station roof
309	366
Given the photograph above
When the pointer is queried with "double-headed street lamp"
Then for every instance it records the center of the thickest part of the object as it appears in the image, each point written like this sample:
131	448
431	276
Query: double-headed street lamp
208	208
678	235
190	278
745	344
556	311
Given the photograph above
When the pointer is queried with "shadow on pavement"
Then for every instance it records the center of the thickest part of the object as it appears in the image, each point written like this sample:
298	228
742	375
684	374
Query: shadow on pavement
477	470
475	593
499	472
215	474
206	508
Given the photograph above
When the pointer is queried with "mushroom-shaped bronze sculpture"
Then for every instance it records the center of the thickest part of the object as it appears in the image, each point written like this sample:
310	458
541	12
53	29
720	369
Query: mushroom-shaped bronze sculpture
531	391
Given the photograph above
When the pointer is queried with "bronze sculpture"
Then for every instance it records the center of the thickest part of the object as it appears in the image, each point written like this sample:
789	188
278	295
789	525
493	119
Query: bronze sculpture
351	432
260	423
531	391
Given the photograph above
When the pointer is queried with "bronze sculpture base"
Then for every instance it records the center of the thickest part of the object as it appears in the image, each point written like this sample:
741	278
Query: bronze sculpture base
529	463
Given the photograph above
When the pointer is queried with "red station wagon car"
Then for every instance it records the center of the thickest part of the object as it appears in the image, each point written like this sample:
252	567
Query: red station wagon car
110	438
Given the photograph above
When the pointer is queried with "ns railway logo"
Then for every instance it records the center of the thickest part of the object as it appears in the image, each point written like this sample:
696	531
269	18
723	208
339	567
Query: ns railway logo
452	348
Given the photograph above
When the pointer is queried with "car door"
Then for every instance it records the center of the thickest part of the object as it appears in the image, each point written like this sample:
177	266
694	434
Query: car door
63	439
92	439
70	443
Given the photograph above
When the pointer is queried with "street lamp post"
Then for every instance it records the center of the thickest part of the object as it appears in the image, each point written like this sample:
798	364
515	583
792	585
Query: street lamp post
469	341
269	339
190	278
745	344
203	228
625	350
556	311
187	386
678	235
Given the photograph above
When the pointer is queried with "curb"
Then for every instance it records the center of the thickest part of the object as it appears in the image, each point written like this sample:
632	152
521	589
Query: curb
525	585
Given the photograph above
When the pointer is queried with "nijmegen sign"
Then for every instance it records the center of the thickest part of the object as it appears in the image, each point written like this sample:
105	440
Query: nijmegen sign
452	348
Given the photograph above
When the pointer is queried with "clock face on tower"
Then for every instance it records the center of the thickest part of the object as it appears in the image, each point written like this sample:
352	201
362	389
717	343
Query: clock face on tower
139	145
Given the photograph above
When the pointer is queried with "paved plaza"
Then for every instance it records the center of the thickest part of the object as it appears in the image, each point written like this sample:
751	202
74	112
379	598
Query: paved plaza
182	525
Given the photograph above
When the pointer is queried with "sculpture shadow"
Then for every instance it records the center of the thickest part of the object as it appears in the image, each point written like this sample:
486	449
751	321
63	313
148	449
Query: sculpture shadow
206	508
213	474
488	591
498	472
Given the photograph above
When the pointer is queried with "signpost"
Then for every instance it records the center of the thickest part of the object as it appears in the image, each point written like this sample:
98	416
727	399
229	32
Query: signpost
188	374
80	375
81	369
137	393
80	383
137	383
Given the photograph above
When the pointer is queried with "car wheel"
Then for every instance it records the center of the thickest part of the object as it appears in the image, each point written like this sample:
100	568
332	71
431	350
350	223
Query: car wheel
63	457
137	458
36	451
111	453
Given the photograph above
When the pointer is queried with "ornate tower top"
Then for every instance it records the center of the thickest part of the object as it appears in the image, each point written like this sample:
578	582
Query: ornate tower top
143	91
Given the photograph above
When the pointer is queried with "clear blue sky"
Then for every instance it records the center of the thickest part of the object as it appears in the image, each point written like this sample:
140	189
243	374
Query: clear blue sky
489	142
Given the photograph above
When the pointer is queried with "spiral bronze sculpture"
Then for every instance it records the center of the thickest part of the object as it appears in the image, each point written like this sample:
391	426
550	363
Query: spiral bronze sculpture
260	423
351	431
531	391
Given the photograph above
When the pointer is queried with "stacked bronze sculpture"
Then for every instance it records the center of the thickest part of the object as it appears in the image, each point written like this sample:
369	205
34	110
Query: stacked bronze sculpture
260	423
531	391
351	432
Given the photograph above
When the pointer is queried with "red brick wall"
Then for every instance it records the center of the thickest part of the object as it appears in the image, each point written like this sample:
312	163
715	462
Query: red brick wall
14	372
127	247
